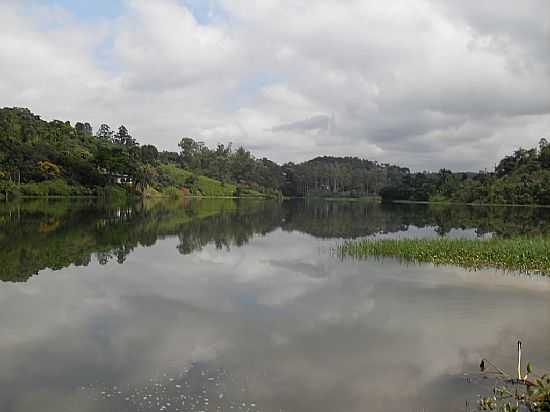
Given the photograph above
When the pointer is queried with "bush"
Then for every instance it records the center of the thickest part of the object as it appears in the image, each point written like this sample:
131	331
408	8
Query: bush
393	193
172	192
112	192
438	199
55	187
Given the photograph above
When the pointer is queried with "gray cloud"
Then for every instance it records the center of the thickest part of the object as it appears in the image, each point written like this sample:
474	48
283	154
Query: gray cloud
321	122
412	82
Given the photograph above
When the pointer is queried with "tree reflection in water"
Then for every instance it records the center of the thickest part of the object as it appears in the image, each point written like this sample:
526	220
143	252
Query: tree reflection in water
40	234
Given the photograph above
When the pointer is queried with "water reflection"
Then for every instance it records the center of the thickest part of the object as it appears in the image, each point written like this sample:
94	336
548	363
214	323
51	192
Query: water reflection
253	310
56	234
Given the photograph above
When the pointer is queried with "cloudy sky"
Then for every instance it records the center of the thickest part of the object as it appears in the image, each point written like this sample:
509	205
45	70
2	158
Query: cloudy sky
421	83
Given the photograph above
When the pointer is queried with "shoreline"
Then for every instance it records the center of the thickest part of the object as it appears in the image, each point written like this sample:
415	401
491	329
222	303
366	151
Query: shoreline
331	199
131	197
426	202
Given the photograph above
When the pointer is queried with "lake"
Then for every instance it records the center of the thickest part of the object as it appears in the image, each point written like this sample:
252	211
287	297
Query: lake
224	305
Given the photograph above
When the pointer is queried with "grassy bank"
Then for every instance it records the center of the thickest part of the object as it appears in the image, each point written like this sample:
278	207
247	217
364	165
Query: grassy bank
174	179
521	254
199	185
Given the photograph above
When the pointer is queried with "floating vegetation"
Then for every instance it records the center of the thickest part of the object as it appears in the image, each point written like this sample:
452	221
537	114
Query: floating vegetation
525	254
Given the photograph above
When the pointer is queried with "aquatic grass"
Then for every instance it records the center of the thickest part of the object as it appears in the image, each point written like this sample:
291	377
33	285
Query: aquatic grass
524	254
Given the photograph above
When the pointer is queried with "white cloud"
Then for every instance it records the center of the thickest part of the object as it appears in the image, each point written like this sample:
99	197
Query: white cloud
162	47
413	82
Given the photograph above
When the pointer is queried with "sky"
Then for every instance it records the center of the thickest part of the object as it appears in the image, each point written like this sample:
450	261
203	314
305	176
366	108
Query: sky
424	84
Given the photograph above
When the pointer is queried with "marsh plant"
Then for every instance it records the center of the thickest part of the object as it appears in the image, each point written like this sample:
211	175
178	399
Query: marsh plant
525	392
525	254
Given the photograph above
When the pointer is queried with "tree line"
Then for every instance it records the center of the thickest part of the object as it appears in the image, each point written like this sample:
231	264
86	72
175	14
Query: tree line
54	158
520	178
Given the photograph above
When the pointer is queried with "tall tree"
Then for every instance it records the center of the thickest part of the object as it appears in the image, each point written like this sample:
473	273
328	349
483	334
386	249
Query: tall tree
83	128
105	133
123	137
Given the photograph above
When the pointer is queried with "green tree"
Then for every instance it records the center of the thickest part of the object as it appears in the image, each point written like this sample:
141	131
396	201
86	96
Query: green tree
84	129
544	153
189	151
105	133
149	153
123	137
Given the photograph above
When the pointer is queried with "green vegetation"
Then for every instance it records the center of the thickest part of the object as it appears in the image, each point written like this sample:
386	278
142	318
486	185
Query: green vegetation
346	177
39	158
526	392
196	185
34	152
520	253
522	178
532	396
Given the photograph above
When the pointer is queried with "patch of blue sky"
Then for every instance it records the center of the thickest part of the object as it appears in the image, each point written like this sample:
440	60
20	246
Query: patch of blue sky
205	11
201	9
106	59
86	10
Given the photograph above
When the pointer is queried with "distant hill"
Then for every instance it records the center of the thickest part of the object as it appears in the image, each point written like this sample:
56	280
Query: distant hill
56	158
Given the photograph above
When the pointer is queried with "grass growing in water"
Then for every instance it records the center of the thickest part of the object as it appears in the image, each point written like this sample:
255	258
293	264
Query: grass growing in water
521	254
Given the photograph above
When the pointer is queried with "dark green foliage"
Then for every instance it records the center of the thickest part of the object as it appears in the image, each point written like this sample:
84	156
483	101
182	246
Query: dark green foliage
149	154
123	138
105	134
341	176
84	129
225	164
322	176
34	153
521	178
392	193
108	158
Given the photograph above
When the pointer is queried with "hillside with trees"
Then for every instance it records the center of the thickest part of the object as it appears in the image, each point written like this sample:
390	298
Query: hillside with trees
520	178
40	158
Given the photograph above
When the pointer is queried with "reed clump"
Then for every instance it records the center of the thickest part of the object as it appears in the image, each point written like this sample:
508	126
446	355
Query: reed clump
525	254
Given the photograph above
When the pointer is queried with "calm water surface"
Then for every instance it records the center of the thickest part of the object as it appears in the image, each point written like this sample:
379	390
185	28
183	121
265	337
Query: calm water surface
217	305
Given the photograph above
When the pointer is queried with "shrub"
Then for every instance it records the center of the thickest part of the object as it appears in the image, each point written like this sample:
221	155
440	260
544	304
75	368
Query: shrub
172	192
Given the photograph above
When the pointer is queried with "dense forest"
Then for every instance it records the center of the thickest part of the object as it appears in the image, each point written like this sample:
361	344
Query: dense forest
520	178
40	158
56	158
